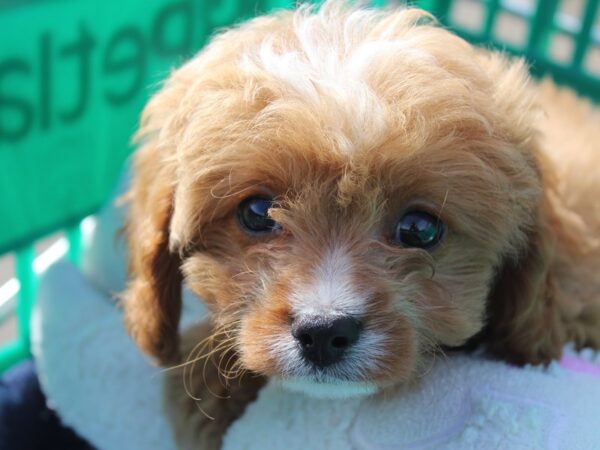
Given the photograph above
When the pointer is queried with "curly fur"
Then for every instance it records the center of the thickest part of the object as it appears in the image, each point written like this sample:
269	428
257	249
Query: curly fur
347	117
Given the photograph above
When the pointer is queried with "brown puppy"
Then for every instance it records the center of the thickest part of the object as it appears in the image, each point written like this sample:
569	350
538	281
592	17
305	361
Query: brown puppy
350	191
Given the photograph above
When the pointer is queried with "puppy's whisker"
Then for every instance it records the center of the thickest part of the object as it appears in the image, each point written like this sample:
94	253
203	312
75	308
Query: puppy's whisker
197	354
228	373
203	412
190	359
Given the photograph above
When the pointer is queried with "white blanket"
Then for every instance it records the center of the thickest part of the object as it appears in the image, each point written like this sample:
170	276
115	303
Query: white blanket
101	385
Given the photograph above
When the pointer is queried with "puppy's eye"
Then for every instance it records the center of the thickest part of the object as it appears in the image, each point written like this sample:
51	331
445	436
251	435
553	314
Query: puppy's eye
253	214
418	229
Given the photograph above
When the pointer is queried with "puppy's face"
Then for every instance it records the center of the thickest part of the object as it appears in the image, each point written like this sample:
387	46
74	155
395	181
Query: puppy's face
346	186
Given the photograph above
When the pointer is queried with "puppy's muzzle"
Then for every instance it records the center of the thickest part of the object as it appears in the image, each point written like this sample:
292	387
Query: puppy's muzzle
324	342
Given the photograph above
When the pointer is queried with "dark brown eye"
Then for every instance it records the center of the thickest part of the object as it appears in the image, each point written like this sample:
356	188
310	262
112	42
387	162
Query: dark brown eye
253	214
418	229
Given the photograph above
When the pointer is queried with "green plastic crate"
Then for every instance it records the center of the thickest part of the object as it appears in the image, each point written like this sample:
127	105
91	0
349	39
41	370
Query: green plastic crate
74	75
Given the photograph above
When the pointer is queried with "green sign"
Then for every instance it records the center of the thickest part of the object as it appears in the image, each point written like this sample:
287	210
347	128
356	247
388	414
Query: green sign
74	76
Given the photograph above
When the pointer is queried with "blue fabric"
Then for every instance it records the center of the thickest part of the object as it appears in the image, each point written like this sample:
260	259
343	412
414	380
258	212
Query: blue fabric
26	422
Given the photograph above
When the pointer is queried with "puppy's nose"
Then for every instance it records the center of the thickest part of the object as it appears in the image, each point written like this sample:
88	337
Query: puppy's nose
324	342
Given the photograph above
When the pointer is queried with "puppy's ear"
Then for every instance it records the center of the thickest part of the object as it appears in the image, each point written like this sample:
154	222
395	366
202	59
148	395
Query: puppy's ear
524	319
524	325
527	311
152	301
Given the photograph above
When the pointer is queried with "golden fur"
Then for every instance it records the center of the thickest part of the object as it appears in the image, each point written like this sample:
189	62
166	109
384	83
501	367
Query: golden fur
346	117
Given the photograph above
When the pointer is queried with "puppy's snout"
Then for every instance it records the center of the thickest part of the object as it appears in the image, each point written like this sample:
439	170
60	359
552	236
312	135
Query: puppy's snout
324	342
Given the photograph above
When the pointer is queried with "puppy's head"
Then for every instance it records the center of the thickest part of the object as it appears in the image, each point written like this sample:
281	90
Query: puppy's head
346	190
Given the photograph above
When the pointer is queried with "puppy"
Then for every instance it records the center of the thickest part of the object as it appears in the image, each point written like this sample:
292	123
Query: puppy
352	191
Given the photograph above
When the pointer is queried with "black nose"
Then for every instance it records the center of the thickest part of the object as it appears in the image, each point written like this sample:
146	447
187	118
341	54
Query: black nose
325	342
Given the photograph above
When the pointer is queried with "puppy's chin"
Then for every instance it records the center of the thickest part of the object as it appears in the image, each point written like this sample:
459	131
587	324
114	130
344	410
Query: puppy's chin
330	389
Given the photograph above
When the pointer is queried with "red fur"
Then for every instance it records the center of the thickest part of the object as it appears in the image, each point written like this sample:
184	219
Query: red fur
347	119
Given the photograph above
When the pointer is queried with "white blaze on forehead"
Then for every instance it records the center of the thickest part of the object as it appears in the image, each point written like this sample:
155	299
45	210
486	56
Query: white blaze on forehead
345	103
331	290
329	62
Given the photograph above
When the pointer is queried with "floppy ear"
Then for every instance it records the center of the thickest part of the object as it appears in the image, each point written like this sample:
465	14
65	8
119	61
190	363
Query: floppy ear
524	311
524	325
152	301
528	310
